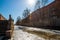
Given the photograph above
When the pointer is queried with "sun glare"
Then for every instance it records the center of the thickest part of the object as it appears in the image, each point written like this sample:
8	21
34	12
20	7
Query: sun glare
31	2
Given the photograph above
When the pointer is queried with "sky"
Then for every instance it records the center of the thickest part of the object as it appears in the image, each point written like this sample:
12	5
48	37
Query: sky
16	7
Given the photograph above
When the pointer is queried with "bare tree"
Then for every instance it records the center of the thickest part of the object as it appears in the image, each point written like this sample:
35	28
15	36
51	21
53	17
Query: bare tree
40	3
26	12
18	20
37	5
44	2
26	19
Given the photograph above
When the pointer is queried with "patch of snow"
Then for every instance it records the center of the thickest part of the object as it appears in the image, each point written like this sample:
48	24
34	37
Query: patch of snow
21	35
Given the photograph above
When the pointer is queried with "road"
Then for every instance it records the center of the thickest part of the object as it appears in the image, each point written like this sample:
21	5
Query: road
20	34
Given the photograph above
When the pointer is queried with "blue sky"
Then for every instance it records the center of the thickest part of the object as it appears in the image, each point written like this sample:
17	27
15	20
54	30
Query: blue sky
14	7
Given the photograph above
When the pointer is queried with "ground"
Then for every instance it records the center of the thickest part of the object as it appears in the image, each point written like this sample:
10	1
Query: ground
29	33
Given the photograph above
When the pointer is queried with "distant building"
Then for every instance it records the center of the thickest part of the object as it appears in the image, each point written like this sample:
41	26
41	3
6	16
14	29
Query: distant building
6	26
46	16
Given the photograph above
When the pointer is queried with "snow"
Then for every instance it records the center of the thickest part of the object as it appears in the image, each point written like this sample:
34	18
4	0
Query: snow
43	30
19	34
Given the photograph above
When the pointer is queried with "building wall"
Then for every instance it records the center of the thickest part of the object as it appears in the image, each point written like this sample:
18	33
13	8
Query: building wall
6	26
46	16
2	18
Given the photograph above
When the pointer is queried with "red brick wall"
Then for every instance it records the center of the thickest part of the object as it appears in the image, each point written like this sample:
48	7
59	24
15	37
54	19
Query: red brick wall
46	14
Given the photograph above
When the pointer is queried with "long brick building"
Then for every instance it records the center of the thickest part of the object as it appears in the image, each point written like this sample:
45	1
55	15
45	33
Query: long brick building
46	16
47	13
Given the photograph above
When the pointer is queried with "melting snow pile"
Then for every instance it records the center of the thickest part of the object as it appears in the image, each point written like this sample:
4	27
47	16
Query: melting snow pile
21	35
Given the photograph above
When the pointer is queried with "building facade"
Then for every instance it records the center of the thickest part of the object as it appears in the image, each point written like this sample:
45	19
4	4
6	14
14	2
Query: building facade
6	26
46	16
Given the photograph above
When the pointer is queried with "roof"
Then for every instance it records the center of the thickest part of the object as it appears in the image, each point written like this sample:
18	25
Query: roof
2	17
